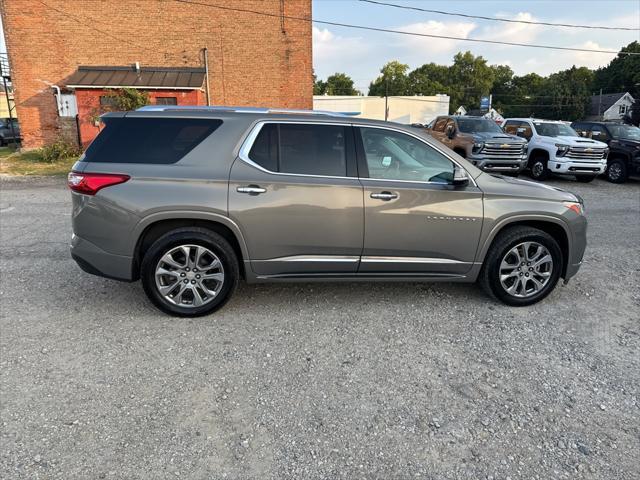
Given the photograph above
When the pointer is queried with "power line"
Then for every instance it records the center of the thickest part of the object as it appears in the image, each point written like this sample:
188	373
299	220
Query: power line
400	32
497	19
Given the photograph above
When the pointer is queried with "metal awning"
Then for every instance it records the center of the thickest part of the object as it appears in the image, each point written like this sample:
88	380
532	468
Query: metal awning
171	78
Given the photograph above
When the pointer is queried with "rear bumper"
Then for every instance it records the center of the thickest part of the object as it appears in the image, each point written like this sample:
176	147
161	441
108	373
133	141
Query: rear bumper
94	260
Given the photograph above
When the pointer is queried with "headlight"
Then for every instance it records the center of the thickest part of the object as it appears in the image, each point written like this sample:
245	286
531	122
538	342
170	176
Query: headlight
606	153
478	146
562	150
577	207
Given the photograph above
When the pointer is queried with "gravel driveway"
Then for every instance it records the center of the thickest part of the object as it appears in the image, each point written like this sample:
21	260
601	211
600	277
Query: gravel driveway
388	381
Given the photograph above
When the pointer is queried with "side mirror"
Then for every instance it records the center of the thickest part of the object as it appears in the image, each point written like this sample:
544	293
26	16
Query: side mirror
460	177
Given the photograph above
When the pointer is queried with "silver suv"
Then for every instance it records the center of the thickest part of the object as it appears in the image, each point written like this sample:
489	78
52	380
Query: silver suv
189	200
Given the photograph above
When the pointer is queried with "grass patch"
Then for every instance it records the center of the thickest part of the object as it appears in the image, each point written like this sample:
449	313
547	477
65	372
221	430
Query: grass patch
32	163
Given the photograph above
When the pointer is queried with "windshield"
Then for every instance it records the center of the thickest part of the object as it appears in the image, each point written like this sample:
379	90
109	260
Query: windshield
478	125
626	132
555	130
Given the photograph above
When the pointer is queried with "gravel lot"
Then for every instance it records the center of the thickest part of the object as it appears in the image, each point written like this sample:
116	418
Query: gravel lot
320	380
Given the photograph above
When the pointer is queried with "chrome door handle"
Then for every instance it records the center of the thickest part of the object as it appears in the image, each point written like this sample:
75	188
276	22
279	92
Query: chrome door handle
386	196
251	190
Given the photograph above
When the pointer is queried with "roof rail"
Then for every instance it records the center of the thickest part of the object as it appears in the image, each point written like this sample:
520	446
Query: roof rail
200	108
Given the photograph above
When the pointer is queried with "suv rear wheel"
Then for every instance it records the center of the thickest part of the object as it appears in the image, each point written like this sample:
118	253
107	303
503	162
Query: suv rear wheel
538	167
616	171
189	272
522	266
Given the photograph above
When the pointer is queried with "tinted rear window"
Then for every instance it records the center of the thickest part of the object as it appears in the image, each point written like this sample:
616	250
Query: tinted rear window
149	140
301	149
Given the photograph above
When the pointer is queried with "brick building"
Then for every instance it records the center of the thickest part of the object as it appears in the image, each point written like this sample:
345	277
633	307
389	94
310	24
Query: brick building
253	59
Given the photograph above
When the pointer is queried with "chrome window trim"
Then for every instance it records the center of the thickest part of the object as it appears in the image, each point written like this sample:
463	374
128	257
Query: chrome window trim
247	144
243	154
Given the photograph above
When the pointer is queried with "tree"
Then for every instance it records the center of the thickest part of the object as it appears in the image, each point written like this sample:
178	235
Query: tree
470	78
126	99
429	79
340	84
393	80
319	87
622	74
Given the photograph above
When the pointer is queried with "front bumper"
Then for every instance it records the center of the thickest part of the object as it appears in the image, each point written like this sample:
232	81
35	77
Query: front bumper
577	168
94	260
488	164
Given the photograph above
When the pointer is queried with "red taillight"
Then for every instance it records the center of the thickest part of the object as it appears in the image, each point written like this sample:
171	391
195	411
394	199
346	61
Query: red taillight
91	183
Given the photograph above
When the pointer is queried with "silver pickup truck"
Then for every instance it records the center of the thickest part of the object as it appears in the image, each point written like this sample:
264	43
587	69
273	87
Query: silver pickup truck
482	142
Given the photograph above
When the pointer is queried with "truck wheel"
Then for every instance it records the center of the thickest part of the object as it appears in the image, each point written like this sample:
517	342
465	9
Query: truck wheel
585	178
617	171
538	167
189	272
522	266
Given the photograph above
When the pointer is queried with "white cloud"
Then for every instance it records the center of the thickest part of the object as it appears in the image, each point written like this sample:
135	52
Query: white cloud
435	45
513	32
328	46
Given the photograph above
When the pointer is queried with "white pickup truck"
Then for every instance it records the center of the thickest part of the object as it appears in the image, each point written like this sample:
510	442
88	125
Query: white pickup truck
554	147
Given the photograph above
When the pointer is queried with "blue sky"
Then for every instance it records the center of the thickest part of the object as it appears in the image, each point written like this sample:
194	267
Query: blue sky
361	54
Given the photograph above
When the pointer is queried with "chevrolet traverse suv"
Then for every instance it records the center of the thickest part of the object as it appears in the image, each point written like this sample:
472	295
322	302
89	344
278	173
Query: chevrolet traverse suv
190	200
481	141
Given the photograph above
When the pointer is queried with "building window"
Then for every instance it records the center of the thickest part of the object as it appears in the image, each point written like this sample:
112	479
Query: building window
622	109
166	101
108	100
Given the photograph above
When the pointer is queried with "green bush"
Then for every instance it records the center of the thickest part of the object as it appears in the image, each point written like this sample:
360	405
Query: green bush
59	150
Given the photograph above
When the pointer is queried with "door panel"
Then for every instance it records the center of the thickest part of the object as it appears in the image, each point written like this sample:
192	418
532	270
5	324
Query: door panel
426	228
299	223
416	221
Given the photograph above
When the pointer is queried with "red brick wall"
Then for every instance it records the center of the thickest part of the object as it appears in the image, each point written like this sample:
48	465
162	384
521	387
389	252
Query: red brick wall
89	107
251	61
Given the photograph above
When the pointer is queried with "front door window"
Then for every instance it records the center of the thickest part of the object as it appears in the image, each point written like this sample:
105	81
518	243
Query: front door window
396	156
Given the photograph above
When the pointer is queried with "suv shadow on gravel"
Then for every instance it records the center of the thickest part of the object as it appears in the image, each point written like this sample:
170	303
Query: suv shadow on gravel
189	200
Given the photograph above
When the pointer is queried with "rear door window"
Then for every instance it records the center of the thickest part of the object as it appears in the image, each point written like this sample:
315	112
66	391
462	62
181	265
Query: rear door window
149	140
302	149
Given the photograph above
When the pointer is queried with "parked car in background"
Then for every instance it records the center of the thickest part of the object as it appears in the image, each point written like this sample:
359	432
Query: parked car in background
554	147
624	147
7	134
190	199
481	141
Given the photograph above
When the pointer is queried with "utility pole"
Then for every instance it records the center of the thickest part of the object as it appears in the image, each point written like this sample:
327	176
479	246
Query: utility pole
386	99
600	105
205	52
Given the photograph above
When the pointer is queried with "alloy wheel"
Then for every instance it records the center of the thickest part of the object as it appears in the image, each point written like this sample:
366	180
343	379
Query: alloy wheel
189	276
538	169
614	172
526	269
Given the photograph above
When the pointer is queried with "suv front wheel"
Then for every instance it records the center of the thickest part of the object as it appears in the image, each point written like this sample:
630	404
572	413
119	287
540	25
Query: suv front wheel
522	266
189	272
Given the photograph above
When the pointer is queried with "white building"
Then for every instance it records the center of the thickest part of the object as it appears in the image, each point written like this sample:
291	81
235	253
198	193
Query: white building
407	110
611	106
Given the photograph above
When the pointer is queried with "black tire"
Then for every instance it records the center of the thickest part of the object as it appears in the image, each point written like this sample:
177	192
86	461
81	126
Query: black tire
538	168
617	174
489	278
2	142
192	236
585	178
